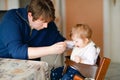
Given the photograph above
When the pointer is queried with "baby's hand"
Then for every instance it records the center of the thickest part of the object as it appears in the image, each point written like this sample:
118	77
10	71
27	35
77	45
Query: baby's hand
77	59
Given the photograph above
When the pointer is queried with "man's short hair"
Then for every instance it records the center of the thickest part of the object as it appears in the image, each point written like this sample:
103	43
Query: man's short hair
42	8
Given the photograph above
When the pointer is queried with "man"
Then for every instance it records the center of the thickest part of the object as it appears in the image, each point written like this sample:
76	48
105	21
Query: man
30	33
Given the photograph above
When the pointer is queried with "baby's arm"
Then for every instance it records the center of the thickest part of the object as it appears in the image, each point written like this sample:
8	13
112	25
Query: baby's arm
77	59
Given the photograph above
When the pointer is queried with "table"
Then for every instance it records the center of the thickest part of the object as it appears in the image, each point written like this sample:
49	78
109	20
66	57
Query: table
15	69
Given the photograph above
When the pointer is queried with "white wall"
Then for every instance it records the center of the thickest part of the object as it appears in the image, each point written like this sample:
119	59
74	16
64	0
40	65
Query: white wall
2	5
13	4
112	30
8	4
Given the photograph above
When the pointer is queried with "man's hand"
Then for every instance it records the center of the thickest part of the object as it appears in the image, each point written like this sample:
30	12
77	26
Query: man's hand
58	48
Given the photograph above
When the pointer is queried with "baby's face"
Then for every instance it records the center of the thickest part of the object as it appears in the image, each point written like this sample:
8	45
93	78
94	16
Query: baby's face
78	42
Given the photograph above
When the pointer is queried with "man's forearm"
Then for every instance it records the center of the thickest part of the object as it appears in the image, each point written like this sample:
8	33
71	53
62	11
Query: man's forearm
36	52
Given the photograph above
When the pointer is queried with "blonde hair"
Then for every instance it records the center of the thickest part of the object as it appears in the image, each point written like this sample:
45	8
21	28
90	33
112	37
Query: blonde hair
82	30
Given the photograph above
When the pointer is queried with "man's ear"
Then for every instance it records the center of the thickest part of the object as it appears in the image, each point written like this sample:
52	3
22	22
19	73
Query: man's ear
30	17
29	14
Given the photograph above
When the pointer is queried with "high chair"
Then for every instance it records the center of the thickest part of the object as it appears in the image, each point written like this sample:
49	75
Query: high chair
96	72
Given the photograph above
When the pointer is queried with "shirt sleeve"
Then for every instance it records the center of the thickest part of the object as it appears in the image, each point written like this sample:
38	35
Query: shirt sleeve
12	39
53	34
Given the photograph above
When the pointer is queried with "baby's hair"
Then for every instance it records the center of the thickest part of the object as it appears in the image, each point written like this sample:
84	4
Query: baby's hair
83	31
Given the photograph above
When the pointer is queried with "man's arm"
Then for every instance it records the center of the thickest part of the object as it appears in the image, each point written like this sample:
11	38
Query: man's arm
36	52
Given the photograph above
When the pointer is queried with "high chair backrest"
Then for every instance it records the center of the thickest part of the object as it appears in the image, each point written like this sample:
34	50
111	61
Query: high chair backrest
102	68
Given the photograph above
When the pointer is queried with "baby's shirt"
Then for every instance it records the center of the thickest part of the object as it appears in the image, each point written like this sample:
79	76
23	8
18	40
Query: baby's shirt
88	54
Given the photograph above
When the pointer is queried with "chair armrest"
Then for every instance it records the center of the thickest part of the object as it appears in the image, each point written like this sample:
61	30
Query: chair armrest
85	69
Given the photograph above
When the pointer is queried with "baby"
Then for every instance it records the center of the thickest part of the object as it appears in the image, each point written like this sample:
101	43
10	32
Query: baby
84	51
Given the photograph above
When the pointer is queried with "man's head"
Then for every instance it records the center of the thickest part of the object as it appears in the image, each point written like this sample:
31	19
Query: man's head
40	11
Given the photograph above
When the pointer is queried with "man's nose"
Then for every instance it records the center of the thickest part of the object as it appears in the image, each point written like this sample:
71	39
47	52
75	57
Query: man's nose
45	25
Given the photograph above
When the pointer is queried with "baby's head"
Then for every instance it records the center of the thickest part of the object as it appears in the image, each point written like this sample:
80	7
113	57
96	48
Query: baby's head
81	35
